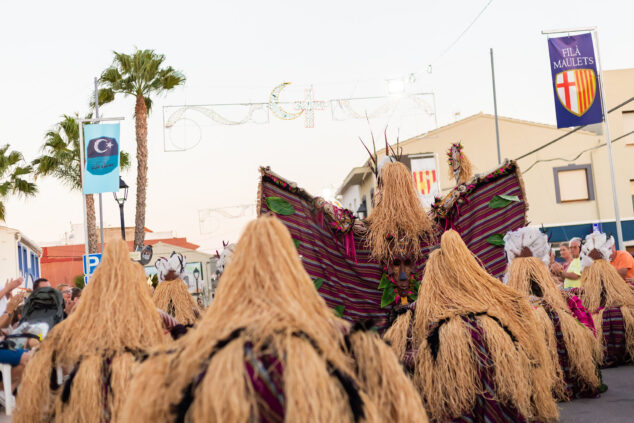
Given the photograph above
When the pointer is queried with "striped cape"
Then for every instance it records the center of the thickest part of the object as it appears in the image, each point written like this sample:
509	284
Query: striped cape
349	282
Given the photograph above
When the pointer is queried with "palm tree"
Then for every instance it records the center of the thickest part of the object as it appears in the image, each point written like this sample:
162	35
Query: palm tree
60	159
13	169
140	75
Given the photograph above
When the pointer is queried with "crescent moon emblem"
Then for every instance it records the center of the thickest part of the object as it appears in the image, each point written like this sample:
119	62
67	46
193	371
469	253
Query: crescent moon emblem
274	104
97	146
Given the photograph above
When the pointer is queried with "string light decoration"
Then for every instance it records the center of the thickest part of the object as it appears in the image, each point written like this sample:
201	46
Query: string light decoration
259	113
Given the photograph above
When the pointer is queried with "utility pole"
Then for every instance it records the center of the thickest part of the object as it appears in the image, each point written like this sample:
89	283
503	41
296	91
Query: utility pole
495	109
100	197
608	140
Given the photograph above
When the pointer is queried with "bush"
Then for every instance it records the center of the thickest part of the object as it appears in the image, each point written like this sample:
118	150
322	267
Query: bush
79	281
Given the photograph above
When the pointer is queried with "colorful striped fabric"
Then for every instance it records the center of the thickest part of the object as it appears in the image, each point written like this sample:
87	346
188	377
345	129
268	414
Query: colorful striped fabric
267	379
352	282
575	388
469	214
488	406
613	331
575	305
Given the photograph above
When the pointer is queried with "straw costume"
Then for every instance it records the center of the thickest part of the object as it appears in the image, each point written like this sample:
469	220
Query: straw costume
370	268
609	298
574	349
97	346
460	167
478	354
172	295
269	349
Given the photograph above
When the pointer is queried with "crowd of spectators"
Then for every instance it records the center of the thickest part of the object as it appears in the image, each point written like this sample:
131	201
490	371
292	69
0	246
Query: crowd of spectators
12	303
567	268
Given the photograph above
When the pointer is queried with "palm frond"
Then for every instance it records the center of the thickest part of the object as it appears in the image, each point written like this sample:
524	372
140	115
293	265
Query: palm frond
124	161
23	188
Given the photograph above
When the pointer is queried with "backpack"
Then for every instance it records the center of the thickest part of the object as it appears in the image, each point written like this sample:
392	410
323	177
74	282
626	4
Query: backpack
44	305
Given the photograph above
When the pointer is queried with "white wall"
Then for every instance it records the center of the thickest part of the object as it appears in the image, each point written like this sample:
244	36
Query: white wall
8	255
352	198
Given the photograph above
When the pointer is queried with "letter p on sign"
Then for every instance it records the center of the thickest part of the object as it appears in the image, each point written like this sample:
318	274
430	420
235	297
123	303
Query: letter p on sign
91	261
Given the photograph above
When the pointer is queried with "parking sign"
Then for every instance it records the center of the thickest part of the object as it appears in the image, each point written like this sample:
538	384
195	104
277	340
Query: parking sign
91	261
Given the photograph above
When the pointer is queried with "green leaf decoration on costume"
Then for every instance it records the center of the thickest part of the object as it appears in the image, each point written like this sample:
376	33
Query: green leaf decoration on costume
339	310
501	201
318	283
496	239
280	206
414	295
385	282
388	296
296	242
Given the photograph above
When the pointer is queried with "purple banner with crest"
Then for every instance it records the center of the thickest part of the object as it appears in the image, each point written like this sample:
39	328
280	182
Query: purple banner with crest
575	84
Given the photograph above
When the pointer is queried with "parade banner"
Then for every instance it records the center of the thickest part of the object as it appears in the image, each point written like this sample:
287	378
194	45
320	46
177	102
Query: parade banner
426	178
101	171
575	84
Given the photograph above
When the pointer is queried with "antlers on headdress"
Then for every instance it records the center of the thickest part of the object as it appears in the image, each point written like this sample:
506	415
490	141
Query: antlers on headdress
389	151
224	245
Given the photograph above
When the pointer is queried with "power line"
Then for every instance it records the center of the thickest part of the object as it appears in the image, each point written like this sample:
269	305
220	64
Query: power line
570	132
577	156
463	32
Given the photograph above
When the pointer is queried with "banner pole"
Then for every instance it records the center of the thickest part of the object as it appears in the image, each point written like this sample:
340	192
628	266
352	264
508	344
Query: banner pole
81	173
608	142
100	196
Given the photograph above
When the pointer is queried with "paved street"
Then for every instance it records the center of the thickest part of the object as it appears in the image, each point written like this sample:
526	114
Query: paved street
614	406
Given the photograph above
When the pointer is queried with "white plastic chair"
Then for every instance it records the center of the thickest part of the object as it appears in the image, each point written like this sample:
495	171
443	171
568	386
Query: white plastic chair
7	399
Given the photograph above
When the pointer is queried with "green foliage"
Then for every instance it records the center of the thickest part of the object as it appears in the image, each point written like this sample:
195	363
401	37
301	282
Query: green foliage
496	239
296	242
155	281
138	74
280	206
501	201
388	297
78	281
14	177
385	282
318	283
339	310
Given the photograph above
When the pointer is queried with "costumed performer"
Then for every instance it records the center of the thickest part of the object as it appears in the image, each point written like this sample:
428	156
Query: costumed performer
475	347
575	351
371	267
609	298
171	294
97	347
268	349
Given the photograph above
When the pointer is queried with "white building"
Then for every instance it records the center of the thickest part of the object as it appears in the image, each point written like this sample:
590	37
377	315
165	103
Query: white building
19	257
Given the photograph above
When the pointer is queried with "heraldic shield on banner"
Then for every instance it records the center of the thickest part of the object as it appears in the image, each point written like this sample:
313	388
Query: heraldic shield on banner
576	90
575	84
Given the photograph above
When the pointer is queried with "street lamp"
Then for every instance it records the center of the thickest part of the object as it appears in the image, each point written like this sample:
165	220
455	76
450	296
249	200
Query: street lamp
120	198
196	277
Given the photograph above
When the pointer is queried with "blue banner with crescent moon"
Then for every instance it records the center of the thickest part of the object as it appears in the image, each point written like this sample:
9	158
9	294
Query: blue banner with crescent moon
101	172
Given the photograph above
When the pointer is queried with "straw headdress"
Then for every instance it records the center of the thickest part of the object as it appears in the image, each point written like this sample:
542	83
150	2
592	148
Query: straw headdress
172	295
399	212
602	287
530	277
455	287
115	323
266	306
